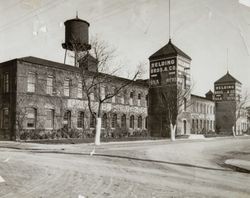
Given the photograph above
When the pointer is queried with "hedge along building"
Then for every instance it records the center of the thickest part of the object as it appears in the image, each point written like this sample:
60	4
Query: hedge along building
39	95
169	91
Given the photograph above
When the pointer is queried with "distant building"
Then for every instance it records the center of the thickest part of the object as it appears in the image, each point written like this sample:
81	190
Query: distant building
248	119
203	117
227	96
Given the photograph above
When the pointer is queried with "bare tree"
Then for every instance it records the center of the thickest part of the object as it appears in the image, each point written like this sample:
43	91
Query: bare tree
175	99
99	84
238	108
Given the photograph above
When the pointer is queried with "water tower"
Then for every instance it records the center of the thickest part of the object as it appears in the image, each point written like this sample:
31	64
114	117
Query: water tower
76	37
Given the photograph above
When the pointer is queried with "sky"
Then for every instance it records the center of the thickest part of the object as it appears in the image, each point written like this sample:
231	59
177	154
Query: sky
203	29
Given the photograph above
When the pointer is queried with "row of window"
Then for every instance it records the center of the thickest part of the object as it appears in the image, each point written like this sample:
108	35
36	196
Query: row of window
202	124
123	121
31	119
203	108
31	87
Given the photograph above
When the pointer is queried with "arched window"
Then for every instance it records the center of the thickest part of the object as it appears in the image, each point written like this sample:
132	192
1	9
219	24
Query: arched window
80	119
49	122
131	98
114	121
123	121
139	123
67	119
31	117
104	121
185	104
92	121
139	99
131	121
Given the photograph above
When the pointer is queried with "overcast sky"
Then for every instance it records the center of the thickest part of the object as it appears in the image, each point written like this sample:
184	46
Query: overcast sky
203	29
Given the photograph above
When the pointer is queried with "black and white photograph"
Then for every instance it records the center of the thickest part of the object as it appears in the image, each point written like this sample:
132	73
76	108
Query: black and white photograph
124	98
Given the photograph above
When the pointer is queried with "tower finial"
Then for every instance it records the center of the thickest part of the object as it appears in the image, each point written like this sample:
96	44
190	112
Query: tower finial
169	18
227	60
77	14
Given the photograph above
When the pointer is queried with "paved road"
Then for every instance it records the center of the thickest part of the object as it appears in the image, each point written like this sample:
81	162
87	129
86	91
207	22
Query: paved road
158	169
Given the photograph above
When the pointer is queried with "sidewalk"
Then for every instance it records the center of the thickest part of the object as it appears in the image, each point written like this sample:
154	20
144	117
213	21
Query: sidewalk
89	146
243	165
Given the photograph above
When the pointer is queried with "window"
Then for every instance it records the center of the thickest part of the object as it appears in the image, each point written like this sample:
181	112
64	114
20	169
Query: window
131	122
92	121
66	87
31	82
146	122
185	104
31	118
123	121
79	89
131	98
102	93
67	119
80	120
139	99
6	83
114	97
5	118
122	99
49	89
92	96
114	121
147	100
49	123
104	121
184	82
139	123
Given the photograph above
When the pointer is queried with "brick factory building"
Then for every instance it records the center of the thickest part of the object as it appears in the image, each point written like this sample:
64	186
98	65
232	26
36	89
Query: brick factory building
41	95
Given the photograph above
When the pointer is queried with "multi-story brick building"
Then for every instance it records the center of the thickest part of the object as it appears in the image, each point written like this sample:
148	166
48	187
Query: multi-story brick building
38	94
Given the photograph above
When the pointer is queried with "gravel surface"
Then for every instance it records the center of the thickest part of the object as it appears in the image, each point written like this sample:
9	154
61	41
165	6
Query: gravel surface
140	169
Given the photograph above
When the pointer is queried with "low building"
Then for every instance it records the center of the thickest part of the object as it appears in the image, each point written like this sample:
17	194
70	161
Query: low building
203	117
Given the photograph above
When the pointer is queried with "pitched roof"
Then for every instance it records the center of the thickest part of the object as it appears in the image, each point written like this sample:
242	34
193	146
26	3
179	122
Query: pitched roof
44	62
227	78
169	50
209	92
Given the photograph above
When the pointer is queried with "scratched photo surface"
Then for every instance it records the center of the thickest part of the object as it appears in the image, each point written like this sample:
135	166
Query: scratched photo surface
124	98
